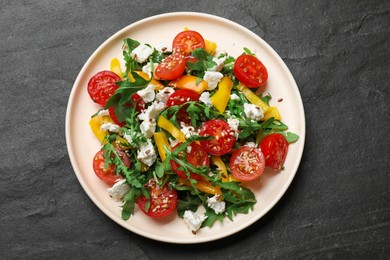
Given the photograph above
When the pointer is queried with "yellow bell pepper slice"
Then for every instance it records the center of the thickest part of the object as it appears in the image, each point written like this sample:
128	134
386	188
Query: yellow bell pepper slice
155	82
210	46
253	98
190	82
222	96
203	186
217	161
96	122
115	67
170	128
272	112
161	141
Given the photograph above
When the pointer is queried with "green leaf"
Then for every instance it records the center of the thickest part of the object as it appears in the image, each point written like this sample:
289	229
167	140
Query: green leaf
291	137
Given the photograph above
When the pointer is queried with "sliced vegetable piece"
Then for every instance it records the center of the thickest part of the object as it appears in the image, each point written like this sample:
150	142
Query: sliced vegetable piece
190	82
203	186
115	66
253	98
222	95
170	128
96	122
162	142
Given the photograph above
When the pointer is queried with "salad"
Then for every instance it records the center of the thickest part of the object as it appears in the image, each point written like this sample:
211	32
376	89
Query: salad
184	129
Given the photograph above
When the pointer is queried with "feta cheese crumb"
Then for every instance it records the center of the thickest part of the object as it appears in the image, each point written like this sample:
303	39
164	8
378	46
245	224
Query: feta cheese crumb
119	190
250	144
234	124
193	219
152	111
110	127
173	142
234	96
216	204
146	153
253	112
212	78
103	112
205	98
147	94
220	64
141	53
147	69
187	130
148	127
163	95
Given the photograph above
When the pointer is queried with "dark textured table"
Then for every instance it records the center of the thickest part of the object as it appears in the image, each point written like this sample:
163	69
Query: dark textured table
338	205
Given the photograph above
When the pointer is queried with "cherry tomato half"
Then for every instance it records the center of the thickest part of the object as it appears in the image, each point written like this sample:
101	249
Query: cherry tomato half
171	67
250	71
179	97
224	138
102	86
163	200
187	41
139	106
197	156
247	163
274	147
108	174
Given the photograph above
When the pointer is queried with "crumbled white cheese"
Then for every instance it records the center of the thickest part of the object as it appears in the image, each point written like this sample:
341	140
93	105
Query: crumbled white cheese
253	112
141	53
147	94
220	63
234	124
188	131
212	78
146	153
193	219
234	96
147	69
173	142
164	94
103	112
110	127
148	127
128	138
216	204
119	190
152	111
250	144
205	98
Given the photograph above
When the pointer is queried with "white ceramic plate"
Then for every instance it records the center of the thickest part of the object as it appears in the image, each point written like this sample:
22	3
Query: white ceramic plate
230	37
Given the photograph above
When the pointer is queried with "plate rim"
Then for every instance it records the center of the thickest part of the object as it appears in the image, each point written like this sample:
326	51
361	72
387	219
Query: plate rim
213	237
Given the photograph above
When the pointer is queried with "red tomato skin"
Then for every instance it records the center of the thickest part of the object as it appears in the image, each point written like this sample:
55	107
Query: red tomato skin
102	86
197	156
108	174
171	67
224	138
247	163
163	200
187	41
274	147
139	103
250	71
181	96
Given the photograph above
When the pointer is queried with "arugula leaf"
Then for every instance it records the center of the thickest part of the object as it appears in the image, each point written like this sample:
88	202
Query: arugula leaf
204	62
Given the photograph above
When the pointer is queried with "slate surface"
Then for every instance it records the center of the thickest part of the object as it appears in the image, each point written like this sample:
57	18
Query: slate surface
338	204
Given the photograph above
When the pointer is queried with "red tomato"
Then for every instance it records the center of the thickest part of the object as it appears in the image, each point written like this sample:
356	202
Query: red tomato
181	96
108	174
187	41
274	147
247	163
140	105
171	67
197	156
163	200
102	86
224	138
250	71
